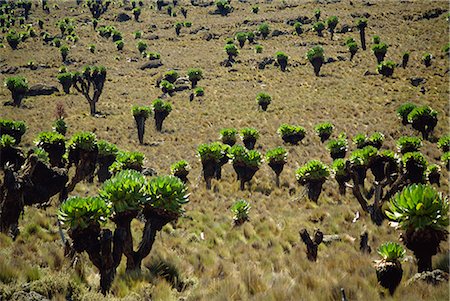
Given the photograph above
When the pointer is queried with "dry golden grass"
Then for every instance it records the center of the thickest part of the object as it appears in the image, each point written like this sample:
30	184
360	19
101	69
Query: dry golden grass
263	259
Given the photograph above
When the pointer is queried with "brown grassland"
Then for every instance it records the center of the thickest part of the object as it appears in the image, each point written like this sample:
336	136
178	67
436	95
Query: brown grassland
264	259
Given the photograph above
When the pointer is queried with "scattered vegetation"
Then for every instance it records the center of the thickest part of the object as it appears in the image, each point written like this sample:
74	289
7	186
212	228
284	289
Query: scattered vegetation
291	134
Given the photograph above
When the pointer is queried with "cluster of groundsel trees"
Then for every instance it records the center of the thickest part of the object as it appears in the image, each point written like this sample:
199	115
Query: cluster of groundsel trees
44	172
121	199
57	164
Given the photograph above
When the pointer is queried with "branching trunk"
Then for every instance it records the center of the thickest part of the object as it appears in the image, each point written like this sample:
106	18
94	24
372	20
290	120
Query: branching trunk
311	245
34	183
364	243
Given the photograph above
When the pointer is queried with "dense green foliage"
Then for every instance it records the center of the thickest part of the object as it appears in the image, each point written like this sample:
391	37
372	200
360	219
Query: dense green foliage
240	210
314	170
419	206
391	251
79	213
125	191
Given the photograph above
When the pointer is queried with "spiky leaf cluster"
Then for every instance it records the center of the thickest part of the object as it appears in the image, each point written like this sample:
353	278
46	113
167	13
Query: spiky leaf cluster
12	128
289	130
106	149
277	155
418	207
228	135
85	141
48	139
168	193
314	170
325	128
249	133
249	158
418	114
406	144
16	84
391	251
212	151
339	168
240	210
127	160
195	74
444	143
7	141
181	166
263	98
363	157
337	146
79	213
141	111
315	53
414	157
404	110
125	191
160	105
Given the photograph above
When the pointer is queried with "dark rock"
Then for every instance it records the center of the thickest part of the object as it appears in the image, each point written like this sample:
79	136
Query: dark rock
429	14
301	19
197	30
148	171
209	36
182	84
226	63
277	33
433	13
202	3
328	1
265	61
358	15
341	58
330	60
153	37
42	89
434	277
416	81
152	64
123	17
9	70
345	28
182	87
423	90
